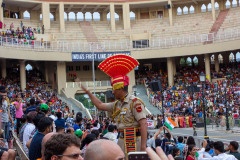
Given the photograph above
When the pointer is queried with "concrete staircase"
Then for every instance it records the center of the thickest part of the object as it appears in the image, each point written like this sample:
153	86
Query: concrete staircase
217	25
74	105
141	93
90	35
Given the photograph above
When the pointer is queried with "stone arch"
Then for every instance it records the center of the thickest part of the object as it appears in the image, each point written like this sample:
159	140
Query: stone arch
203	8
195	61
228	4
234	3
212	58
96	16
132	15
189	61
182	61
16	15
88	16
238	57
65	16
185	10
26	15
231	57
51	17
220	58
29	67
209	7
179	11
80	16
216	6
191	9
71	16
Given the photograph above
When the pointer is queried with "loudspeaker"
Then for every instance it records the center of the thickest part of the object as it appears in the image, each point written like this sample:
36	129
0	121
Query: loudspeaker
109	94
155	86
167	6
3	5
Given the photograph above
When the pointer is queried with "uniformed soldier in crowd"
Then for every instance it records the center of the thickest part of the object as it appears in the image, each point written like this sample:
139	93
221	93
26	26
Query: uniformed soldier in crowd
127	111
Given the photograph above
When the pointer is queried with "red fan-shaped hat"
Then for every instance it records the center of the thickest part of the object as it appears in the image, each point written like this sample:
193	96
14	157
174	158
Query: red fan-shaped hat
117	67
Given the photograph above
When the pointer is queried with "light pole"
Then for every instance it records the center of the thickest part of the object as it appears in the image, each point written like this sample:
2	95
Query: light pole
93	71
163	106
225	88
202	79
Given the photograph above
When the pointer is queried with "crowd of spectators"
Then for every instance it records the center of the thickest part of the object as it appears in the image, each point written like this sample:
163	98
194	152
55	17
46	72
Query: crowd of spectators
181	104
49	129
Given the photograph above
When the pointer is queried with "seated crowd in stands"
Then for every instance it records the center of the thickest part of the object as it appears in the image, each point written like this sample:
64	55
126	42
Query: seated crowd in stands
182	104
21	32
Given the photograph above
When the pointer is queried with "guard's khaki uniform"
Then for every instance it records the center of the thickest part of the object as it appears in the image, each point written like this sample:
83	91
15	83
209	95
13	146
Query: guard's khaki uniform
126	114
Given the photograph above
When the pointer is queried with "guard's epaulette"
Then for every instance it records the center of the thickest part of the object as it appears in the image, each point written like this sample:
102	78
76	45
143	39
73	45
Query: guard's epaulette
135	99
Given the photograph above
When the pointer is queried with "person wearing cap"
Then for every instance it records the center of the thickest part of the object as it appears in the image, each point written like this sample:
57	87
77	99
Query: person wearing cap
79	134
44	108
53	115
127	111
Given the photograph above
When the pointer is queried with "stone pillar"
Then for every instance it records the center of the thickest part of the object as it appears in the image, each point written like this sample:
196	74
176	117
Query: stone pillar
45	15
213	10
126	16
207	67
132	82
4	68
221	5
21	15
170	71
67	16
235	56
76	16
1	11
22	75
92	16
61	75
34	15
104	16
112	17
139	14
57	18
61	17
174	66
46	67
170	13
225	56
84	18
216	62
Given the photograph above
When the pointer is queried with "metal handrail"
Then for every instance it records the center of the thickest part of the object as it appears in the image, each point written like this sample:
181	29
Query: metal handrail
153	43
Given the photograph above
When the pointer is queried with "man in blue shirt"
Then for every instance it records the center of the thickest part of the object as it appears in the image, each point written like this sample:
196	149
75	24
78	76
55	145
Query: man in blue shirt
45	126
32	106
180	145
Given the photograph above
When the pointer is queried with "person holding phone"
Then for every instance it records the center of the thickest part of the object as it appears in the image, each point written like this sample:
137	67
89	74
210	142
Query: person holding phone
127	111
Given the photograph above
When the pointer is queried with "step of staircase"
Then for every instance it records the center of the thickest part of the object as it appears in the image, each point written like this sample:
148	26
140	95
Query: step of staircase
217	25
74	107
142	94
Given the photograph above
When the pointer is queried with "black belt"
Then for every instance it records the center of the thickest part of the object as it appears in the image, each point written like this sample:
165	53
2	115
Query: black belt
121	133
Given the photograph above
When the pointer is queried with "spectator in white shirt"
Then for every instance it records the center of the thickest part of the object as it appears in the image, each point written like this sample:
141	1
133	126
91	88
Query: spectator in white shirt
110	135
29	129
219	150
